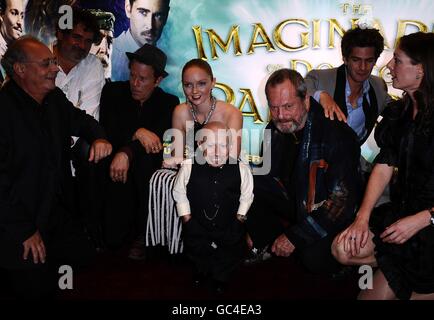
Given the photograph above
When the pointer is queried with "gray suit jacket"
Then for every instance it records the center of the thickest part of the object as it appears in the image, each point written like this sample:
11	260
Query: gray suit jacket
325	79
333	82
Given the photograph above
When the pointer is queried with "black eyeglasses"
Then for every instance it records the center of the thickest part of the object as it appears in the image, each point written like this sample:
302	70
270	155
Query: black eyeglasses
46	63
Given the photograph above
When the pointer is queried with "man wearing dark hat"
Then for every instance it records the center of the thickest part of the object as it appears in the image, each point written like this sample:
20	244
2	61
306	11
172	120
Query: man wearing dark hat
135	115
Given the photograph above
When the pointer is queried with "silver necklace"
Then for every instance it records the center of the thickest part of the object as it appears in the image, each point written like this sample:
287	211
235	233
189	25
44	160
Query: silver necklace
208	116
213	217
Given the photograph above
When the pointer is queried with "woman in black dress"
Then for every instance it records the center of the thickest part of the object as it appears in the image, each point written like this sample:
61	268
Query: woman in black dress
399	240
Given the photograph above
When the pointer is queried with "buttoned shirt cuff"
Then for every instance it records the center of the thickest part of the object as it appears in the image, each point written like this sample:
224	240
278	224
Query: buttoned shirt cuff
243	208
183	208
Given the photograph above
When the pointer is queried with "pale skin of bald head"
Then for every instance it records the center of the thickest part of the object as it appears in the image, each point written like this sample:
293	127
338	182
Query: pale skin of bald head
214	129
214	140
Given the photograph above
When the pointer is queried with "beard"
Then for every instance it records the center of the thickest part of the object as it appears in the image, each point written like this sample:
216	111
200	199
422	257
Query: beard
284	128
290	125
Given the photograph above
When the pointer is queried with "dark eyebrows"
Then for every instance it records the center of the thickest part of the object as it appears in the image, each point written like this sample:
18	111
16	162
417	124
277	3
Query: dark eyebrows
162	12
359	58
141	9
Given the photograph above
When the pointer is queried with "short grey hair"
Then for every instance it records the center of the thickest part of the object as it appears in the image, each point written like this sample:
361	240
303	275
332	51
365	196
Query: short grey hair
281	75
16	53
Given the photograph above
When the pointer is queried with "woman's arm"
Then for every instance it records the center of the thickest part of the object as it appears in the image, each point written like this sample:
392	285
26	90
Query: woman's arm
403	229
378	180
357	234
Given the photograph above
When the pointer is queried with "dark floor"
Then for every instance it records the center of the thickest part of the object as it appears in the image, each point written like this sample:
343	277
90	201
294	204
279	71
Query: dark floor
115	277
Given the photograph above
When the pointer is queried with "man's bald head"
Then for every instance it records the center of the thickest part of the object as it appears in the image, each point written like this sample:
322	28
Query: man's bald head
19	51
214	140
214	129
32	65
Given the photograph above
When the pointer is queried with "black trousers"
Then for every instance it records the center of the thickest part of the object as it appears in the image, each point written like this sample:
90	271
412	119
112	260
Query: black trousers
215	251
126	205
66	244
272	211
318	258
89	189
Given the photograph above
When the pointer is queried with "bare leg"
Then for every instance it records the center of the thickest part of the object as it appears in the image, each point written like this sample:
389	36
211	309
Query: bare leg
420	296
380	291
365	256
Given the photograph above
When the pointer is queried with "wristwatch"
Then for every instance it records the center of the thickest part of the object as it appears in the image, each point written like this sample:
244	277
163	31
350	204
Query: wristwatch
431	212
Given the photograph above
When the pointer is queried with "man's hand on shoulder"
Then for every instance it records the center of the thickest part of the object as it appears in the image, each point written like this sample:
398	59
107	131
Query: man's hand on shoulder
330	107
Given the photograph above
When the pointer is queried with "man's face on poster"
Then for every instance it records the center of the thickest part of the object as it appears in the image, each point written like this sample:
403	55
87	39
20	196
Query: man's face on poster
12	20
104	51
147	19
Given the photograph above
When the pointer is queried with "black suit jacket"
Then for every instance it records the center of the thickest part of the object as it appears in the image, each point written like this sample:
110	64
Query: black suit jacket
327	179
35	173
121	116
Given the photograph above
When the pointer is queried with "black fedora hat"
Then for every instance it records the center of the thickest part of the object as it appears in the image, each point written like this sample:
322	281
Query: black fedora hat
152	56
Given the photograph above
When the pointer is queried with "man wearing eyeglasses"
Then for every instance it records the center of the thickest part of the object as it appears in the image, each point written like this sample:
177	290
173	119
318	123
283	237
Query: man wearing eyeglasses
313	184
37	232
81	78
